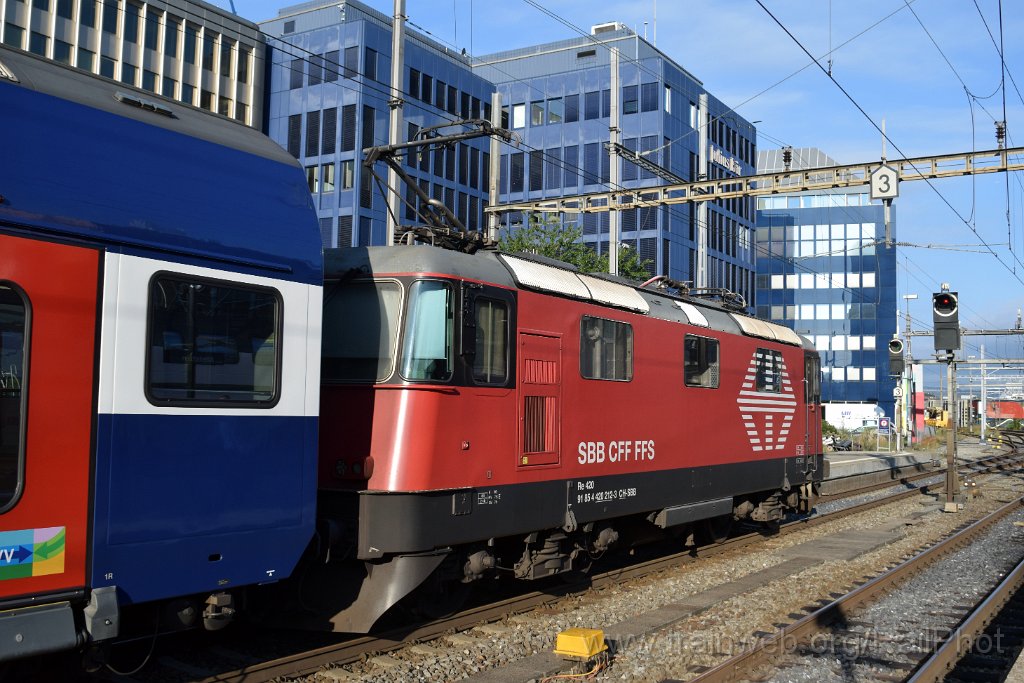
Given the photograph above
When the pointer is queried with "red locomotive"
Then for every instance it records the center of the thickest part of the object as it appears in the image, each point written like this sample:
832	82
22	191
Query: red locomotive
490	412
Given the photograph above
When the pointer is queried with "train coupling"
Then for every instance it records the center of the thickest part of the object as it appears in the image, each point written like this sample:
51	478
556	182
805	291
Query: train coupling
219	611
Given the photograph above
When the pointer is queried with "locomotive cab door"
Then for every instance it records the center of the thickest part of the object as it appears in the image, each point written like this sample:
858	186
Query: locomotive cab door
539	399
48	309
814	412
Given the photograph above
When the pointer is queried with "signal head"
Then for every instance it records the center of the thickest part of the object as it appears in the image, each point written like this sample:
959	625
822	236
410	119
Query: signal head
944	304
896	346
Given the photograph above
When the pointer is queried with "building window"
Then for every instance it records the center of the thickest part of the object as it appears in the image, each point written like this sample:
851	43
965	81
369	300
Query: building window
536	170
649	97
572	108
606	349
556	112
107	67
330	131
327	184
87	13
14	35
149	80
169	88
243	64
241	112
414	83
209	49
370	64
769	371
351	62
62	52
348	175
188	93
518	115
630	105
171	37
131	22
427	88
37	43
591	105
110	16
191	38
212	342
668	99
313	134
700	362
570	165
312	179
152	28
224	106
294	134
537	113
516	174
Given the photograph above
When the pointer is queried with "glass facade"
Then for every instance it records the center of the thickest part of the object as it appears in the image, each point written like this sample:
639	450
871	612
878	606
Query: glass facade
824	270
329	89
557	97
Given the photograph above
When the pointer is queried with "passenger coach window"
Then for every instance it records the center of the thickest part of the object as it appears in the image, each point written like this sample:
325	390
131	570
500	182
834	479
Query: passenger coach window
362	351
13	391
700	362
606	349
490	362
212	342
769	371
427	346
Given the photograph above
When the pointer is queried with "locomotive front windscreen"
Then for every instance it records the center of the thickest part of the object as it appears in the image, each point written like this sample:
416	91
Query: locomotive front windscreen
360	331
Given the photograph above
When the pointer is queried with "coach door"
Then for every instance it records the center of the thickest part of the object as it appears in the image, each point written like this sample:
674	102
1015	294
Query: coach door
47	337
539	389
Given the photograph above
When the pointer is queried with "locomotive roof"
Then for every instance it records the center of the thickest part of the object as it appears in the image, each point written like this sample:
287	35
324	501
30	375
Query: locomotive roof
553	277
149	174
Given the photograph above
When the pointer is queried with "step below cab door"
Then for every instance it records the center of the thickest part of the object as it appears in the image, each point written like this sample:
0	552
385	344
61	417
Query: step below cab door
48	309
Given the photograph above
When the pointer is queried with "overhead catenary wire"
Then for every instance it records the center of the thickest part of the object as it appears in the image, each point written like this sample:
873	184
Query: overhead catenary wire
856	104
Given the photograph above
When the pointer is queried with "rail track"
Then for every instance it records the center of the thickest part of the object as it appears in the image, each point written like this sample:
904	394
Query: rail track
355	649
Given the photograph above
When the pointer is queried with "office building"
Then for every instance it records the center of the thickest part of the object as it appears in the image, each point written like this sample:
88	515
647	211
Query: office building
328	101
557	97
823	269
186	50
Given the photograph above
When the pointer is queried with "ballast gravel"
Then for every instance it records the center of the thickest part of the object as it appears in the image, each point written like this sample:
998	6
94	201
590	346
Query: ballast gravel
706	638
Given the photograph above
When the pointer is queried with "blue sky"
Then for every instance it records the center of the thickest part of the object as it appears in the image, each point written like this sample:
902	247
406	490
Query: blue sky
890	66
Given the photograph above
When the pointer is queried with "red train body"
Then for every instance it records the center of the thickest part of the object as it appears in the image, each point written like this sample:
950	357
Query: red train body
483	411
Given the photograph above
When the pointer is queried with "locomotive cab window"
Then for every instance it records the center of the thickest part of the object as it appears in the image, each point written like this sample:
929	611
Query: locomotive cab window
606	349
700	362
769	371
490	356
363	352
14	328
428	335
212	342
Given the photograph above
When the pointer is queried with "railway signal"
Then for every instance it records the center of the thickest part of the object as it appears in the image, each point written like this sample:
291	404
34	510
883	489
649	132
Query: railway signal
946	318
896	362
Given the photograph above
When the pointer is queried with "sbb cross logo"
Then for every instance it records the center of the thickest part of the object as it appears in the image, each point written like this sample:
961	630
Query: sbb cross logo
767	414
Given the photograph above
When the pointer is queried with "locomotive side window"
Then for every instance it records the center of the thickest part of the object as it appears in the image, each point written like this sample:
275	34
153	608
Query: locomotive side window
490	362
429	327
212	342
363	352
606	349
14	338
700	362
769	371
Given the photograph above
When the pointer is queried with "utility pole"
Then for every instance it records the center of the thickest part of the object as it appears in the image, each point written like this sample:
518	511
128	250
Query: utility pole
952	480
614	132
495	170
395	117
908	372
701	277
983	404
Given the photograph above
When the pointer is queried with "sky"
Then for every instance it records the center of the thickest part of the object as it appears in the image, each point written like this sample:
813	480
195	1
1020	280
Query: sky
929	68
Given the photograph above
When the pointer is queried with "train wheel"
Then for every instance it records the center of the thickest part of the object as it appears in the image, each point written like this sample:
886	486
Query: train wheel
439	597
716	529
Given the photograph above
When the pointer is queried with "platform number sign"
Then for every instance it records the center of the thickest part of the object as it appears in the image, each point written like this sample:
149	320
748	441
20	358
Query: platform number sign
884	183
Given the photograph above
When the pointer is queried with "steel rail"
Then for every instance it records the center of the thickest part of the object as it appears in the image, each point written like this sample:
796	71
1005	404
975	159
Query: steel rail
358	648
743	665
